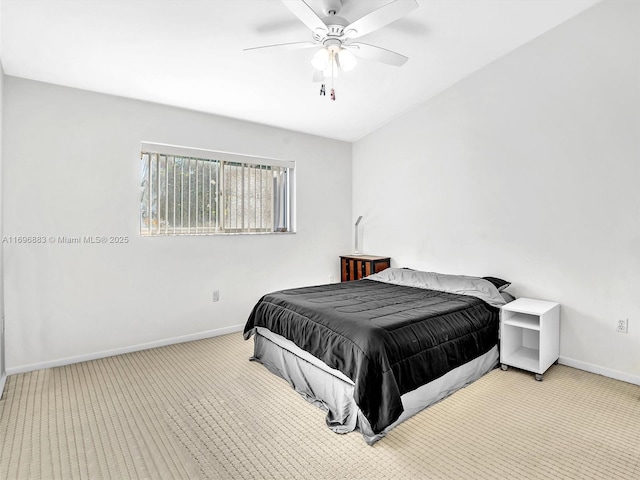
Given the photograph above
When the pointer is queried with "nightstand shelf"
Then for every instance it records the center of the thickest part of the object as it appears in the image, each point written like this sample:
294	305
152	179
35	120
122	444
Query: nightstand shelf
530	335
524	320
525	358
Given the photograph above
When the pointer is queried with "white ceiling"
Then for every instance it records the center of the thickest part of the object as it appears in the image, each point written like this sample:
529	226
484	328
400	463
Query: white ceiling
188	53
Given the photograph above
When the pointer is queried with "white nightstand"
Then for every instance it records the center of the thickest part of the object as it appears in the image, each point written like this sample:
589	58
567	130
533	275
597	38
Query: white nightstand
530	335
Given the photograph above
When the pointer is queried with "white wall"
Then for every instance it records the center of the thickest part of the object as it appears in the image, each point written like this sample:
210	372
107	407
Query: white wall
71	166
528	170
3	376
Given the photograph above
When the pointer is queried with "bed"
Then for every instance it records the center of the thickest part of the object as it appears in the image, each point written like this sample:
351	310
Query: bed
374	352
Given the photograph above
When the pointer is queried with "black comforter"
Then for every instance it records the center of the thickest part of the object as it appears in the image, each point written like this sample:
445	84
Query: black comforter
388	339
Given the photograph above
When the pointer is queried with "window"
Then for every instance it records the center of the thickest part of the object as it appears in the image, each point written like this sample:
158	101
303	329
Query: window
187	191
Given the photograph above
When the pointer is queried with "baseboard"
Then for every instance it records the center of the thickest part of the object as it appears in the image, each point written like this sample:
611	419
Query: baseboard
607	372
119	351
3	379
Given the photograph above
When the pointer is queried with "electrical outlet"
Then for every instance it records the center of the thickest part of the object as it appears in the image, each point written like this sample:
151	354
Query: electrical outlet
216	295
332	279
623	326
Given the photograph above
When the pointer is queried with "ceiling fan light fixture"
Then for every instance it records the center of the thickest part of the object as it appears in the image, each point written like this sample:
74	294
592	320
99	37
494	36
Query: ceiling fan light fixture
346	59
334	33
320	59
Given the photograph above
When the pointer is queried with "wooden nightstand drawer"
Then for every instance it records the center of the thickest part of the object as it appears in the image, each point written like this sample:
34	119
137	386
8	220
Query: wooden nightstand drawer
355	267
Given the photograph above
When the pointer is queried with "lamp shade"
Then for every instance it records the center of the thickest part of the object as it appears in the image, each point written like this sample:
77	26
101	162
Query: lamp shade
320	59
346	59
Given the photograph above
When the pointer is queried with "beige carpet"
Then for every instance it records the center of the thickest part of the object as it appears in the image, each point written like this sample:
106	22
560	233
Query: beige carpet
202	410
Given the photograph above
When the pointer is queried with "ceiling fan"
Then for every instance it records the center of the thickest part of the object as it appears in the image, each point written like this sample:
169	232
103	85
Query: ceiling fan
333	37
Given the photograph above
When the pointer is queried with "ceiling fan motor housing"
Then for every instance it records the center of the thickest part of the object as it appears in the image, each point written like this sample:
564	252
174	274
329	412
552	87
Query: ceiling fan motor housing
335	30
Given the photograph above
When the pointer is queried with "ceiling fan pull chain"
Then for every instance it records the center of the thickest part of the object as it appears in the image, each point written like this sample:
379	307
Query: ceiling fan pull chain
322	90
333	62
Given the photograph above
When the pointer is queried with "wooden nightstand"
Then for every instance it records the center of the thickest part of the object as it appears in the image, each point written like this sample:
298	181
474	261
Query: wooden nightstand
355	267
530	335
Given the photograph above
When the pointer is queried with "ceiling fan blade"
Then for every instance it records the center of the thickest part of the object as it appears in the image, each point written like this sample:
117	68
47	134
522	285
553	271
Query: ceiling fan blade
378	54
304	12
284	46
379	18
